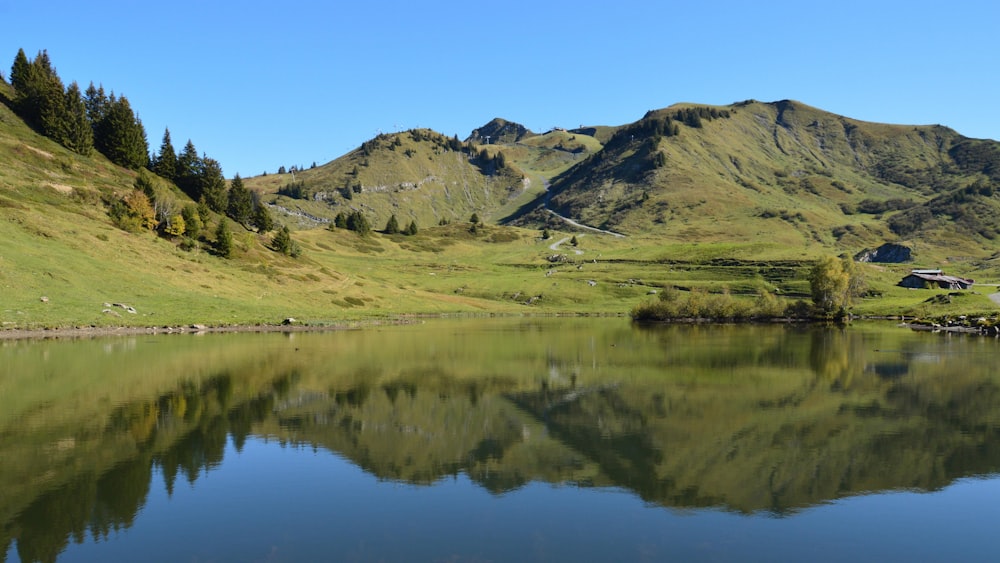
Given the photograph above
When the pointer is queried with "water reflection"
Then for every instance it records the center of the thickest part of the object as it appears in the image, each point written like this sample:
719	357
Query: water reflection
748	419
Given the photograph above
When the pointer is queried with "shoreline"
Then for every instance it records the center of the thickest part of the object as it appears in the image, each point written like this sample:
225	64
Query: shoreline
11	334
7	334
103	331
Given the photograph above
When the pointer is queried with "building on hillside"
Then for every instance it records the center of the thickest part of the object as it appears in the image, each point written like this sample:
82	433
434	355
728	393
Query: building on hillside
927	279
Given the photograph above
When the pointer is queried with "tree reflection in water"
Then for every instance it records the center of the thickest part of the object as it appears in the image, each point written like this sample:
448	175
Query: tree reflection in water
747	420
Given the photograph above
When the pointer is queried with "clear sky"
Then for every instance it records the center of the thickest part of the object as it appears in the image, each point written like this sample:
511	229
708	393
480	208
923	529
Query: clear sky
262	84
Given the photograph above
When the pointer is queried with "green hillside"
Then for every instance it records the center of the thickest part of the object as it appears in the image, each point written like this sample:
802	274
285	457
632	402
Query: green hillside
790	175
737	199
421	175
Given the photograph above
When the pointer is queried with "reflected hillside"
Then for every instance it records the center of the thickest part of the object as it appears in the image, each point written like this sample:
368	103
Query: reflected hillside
746	419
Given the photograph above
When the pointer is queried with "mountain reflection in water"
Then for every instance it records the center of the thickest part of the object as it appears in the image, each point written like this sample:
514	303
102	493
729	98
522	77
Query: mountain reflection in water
747	419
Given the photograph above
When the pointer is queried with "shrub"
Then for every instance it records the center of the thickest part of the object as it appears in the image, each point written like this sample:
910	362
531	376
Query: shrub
699	304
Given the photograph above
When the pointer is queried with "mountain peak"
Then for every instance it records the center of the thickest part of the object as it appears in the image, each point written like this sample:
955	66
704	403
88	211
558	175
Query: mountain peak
500	131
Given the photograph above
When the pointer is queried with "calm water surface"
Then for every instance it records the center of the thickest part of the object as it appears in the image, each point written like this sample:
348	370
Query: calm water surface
503	440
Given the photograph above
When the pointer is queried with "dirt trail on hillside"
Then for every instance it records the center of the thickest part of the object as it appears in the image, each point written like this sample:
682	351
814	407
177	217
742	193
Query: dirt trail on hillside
555	246
571	221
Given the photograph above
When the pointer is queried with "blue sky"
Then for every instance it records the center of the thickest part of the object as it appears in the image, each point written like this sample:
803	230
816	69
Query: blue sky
257	85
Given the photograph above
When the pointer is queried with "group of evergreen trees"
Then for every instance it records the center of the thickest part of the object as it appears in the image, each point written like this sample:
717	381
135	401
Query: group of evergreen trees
79	121
357	222
353	221
93	119
392	227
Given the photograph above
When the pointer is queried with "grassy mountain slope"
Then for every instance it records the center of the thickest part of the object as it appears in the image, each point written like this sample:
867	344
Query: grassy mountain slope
417	175
60	245
787	174
426	177
741	203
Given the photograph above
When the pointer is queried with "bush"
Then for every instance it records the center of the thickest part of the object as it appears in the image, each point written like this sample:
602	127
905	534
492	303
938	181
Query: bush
699	304
188	244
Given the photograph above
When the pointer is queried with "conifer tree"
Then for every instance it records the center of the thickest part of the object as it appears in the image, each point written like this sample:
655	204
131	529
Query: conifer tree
76	133
97	104
19	71
166	160
223	239
262	219
50	98
392	226
358	223
213	184
192	221
38	94
411	229
144	183
340	221
240	206
188	171
120	135
282	241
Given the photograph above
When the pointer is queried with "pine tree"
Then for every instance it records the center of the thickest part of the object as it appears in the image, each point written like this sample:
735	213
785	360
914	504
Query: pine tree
411	229
203	210
340	221
282	241
240	206
262	219
97	104
188	171
213	184
120	135
38	94
144	183
358	223
392	226
192	221
166	161
223	239
77	134
19	71
50	97
474	219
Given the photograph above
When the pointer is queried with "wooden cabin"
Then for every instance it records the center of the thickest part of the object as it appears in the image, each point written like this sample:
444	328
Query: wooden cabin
928	279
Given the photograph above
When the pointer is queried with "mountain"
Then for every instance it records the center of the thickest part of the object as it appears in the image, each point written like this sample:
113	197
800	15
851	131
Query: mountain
745	196
418	175
784	172
781	174
499	131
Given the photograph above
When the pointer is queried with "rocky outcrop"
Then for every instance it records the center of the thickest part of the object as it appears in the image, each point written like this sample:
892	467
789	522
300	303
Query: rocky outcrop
499	131
889	253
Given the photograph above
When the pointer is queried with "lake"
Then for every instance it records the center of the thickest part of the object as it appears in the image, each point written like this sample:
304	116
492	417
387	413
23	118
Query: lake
514	439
